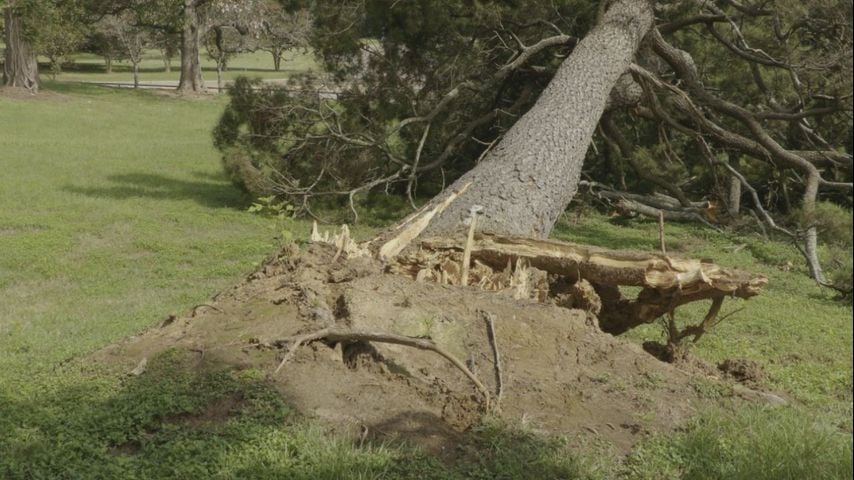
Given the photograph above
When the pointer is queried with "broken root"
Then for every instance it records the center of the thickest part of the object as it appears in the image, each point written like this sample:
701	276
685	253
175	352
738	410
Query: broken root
342	335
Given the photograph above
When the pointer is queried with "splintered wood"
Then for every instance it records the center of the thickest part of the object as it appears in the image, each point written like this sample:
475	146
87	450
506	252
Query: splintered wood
548	270
570	275
344	245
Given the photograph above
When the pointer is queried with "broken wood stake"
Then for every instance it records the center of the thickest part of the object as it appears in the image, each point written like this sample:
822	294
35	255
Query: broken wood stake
464	275
661	232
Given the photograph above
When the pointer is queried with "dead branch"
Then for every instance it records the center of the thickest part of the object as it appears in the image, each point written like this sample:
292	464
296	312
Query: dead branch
626	206
345	335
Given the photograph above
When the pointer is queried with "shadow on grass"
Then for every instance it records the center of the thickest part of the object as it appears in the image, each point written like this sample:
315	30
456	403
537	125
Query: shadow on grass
185	418
212	192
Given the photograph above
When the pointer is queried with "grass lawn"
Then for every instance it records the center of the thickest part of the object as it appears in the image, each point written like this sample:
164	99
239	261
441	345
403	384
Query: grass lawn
114	212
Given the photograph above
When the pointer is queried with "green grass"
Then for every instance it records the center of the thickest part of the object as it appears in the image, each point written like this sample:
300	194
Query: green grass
752	444
92	68
114	212
801	335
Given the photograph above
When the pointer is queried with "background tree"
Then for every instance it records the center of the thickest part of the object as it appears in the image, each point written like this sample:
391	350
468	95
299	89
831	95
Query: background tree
101	41
282	30
190	20
168	45
222	42
131	39
60	30
20	67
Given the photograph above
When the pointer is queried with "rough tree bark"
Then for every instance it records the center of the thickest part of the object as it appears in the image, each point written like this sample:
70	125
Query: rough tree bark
20	68
529	178
191	70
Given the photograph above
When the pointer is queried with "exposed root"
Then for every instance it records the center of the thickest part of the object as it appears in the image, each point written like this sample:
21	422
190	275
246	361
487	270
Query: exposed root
493	341
345	335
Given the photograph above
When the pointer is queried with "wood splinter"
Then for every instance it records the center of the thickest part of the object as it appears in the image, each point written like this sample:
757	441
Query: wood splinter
346	335
474	211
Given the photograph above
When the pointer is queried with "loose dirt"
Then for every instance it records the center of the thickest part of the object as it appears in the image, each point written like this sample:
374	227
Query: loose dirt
561	374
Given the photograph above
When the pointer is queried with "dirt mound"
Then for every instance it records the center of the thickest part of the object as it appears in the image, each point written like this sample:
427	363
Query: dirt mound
560	372
748	372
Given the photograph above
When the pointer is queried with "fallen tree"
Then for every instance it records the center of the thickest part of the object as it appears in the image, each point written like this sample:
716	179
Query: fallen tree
522	186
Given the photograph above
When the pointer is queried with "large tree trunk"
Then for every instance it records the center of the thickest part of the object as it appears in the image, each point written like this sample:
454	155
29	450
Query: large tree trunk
191	70
527	181
20	68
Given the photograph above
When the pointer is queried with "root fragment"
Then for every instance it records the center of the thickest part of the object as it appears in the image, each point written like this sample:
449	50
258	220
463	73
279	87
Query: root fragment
496	355
346	335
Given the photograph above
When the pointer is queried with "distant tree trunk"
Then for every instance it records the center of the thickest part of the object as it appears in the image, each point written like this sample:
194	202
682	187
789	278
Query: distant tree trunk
277	58
135	75
811	235
220	66
529	178
734	200
108	61
191	70
167	61
20	68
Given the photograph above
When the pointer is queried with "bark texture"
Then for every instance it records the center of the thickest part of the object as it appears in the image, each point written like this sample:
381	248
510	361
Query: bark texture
527	181
191	70
20	68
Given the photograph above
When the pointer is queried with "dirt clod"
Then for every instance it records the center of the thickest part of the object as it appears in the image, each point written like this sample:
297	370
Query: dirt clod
748	372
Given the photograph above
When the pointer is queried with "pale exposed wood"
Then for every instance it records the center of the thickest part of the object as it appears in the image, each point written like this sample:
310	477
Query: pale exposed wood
416	225
464	276
601	265
667	282
343	243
